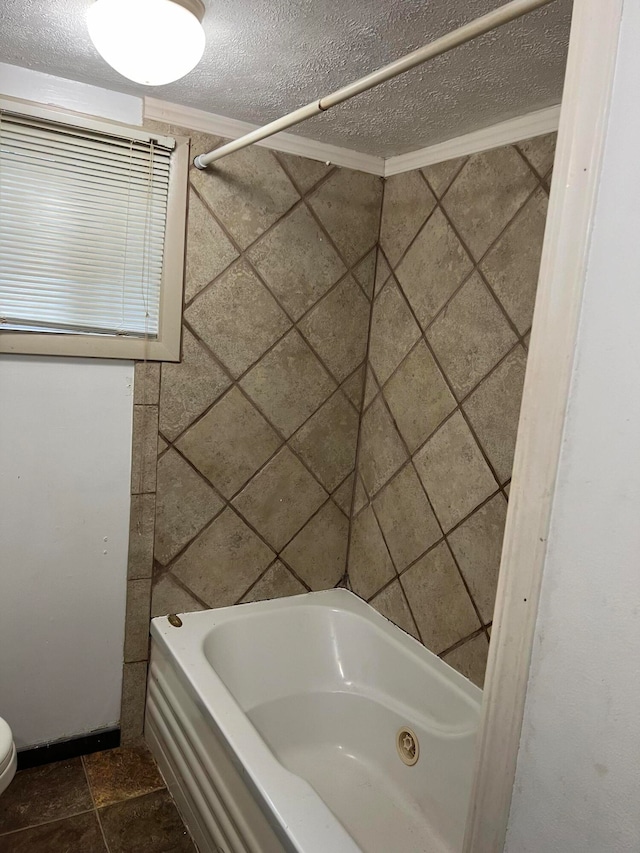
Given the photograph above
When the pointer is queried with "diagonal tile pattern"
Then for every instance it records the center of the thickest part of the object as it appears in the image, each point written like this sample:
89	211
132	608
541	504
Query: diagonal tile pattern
426	538
280	499
229	443
237	318
261	423
289	383
254	432
297	261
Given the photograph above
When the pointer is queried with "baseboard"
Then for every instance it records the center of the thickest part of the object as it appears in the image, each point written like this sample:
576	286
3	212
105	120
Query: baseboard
61	750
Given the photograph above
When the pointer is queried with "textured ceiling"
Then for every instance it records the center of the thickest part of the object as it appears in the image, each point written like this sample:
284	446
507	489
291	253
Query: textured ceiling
267	57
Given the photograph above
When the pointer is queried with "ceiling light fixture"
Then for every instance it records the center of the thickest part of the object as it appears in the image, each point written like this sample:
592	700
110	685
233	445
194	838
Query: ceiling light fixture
152	42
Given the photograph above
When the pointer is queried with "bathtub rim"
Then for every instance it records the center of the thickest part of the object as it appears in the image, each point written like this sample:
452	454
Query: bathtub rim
293	807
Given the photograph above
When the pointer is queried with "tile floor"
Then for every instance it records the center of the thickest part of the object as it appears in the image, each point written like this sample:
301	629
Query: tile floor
109	802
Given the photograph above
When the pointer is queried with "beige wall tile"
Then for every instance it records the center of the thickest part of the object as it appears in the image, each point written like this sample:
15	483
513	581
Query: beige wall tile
136	634
134	691
477	545
540	152
381	449
360	498
276	582
512	265
289	383
470	659
407	521
441	605
489	190
365	273
304	172
146	383
407	203
184	504
337	328
418	396
435	265
370	565
209	250
144	450
494	408
344	494
167	596
237	318
230	442
297	261
393	331
141	527
441	175
371	388
392	604
354	386
190	387
223	562
348	205
454	472
383	271
471	336
327	441
318	553
280	499
248	191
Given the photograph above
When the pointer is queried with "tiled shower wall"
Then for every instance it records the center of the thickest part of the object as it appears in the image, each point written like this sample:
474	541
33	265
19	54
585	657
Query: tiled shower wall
459	253
256	429
244	453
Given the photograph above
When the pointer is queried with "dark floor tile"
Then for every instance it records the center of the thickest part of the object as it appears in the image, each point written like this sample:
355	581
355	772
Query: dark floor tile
79	834
119	774
45	793
149	824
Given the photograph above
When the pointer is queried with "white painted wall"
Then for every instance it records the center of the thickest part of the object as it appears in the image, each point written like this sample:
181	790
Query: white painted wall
577	786
65	463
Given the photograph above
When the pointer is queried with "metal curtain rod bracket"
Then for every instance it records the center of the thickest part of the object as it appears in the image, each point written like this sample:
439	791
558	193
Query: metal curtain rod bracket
503	15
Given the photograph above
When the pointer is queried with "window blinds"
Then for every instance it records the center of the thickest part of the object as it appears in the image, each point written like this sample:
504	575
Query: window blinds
82	227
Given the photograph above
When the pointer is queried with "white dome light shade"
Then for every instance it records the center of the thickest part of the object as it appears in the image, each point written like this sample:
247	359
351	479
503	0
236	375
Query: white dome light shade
152	42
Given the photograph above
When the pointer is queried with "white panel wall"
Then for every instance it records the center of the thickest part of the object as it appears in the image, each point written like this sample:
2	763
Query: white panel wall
577	786
65	462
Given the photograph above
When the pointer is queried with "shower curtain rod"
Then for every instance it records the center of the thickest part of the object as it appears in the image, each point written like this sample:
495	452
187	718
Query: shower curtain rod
502	15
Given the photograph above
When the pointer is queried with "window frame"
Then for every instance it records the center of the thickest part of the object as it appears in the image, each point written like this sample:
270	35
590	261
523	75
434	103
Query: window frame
166	345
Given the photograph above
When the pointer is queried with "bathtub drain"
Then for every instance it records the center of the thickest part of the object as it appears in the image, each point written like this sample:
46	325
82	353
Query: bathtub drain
407	745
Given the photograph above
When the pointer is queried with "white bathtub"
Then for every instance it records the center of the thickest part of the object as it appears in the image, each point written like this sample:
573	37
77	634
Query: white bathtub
275	725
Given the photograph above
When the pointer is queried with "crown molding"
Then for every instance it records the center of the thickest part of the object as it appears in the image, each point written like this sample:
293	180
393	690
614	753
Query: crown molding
505	133
289	143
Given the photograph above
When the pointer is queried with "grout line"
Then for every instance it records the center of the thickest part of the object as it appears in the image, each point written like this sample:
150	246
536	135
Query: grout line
358	447
313	187
95	807
465	160
435	515
540	178
405	252
462	642
45	822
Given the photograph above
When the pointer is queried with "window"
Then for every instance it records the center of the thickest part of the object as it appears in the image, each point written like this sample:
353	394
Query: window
92	223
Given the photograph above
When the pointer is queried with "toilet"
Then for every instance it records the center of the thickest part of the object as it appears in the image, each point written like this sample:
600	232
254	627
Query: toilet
8	756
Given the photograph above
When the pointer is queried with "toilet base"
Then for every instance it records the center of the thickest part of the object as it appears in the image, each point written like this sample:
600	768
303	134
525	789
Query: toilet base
9	770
